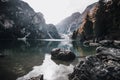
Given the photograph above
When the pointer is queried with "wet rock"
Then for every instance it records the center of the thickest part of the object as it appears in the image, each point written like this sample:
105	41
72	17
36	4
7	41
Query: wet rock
110	43
100	49
90	44
116	43
94	44
2	55
106	42
105	65
86	43
64	55
40	77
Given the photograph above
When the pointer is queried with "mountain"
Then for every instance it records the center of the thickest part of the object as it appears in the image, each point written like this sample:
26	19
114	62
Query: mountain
84	22
18	20
102	21
69	24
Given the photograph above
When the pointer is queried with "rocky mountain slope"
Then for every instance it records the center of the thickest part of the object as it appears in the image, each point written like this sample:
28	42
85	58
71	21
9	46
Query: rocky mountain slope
102	21
18	20
69	24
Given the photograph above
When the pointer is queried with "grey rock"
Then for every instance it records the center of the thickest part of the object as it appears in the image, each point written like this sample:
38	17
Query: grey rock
105	65
63	55
106	42
40	77
2	55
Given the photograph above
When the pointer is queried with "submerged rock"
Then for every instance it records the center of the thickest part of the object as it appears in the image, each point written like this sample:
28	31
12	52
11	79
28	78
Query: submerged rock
2	55
105	65
90	44
40	77
64	55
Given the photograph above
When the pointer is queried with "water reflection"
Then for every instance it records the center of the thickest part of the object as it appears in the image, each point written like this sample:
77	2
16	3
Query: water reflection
50	70
21	57
81	50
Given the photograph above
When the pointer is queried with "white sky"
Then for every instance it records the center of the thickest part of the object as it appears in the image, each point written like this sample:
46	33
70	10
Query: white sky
56	10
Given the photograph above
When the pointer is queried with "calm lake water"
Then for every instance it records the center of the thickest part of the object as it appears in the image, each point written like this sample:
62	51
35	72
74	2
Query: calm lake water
24	60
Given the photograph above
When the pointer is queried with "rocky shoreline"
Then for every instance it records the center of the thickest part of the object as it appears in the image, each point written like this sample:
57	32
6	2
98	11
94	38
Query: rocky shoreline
106	43
104	65
101	20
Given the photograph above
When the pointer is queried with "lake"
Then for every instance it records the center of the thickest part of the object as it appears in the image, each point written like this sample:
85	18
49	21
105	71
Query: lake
26	59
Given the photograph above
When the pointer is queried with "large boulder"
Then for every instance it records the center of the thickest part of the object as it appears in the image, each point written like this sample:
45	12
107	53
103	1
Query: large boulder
64	55
105	65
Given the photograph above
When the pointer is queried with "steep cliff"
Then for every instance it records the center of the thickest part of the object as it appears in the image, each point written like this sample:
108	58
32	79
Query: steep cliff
102	21
69	24
19	20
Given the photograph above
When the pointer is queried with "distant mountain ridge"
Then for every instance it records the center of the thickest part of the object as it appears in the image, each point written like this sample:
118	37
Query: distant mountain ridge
69	24
72	23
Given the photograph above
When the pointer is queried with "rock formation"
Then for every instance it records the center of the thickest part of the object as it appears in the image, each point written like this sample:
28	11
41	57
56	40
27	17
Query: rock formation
105	65
18	21
63	55
40	77
102	21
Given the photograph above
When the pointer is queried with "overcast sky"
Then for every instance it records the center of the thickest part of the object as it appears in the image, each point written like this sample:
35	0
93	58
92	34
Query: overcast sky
56	10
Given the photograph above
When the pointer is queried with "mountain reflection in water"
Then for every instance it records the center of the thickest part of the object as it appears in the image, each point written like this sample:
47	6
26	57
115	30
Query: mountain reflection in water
24	60
50	70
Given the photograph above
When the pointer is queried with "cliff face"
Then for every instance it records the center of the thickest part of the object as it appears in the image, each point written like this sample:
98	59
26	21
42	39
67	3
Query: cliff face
18	20
101	21
51	29
69	24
